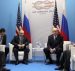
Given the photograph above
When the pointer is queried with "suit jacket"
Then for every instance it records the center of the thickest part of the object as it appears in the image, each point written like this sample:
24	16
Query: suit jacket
55	43
4	40
2	54
16	40
65	59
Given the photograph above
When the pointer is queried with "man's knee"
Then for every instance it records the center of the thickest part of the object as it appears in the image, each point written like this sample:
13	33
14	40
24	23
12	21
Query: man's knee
26	50
45	50
15	49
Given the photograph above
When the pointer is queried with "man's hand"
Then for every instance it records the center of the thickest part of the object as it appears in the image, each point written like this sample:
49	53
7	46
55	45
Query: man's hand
52	50
21	46
27	46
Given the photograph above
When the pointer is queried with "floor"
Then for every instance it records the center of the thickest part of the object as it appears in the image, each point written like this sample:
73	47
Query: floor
33	66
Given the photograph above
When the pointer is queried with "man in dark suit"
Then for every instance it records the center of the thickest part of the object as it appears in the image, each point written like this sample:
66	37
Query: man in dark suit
65	60
4	38
2	54
21	44
54	45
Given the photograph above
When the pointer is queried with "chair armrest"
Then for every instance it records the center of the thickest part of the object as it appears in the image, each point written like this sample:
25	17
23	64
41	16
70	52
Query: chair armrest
10	47
45	45
72	51
72	56
2	48
30	53
10	50
65	45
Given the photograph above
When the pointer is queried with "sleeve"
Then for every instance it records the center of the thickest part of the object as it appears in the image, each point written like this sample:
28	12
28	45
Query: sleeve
60	45
4	40
49	43
14	41
27	42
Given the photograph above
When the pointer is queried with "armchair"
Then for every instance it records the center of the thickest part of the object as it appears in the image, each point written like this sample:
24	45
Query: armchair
65	43
20	53
72	59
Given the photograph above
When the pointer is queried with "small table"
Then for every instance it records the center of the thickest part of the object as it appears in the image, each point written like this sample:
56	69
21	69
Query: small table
38	54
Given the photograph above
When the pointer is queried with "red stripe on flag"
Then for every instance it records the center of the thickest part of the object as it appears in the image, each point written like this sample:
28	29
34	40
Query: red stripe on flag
65	38
27	35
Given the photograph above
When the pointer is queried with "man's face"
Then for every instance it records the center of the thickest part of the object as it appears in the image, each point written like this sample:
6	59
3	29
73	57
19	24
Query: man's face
3	33
55	32
0	33
21	33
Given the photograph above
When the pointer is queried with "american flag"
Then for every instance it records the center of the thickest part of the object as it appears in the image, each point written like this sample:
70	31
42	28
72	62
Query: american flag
19	21
56	19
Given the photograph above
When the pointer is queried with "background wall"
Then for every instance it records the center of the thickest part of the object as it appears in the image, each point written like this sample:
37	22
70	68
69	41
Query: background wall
8	15
70	8
40	14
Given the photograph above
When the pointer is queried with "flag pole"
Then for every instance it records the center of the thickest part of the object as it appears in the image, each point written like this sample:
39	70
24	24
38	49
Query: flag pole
64	10
18	1
55	2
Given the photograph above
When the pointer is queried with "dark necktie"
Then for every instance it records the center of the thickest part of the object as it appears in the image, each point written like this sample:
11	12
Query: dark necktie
21	40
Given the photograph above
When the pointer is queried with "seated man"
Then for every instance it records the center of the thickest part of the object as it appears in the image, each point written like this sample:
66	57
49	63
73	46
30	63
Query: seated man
65	61
2	54
54	45
21	44
4	41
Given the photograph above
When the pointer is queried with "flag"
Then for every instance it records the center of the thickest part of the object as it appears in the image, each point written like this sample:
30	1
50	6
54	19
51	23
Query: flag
55	19
64	28
19	21
26	28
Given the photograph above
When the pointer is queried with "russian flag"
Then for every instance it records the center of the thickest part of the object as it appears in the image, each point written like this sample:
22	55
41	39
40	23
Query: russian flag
64	28
26	28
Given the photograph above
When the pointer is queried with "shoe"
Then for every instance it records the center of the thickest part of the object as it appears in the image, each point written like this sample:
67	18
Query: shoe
25	62
57	64
67	70
59	68
5	69
16	63
4	64
47	63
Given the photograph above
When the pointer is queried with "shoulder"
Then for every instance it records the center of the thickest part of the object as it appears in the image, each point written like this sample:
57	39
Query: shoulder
50	36
4	35
60	36
15	37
